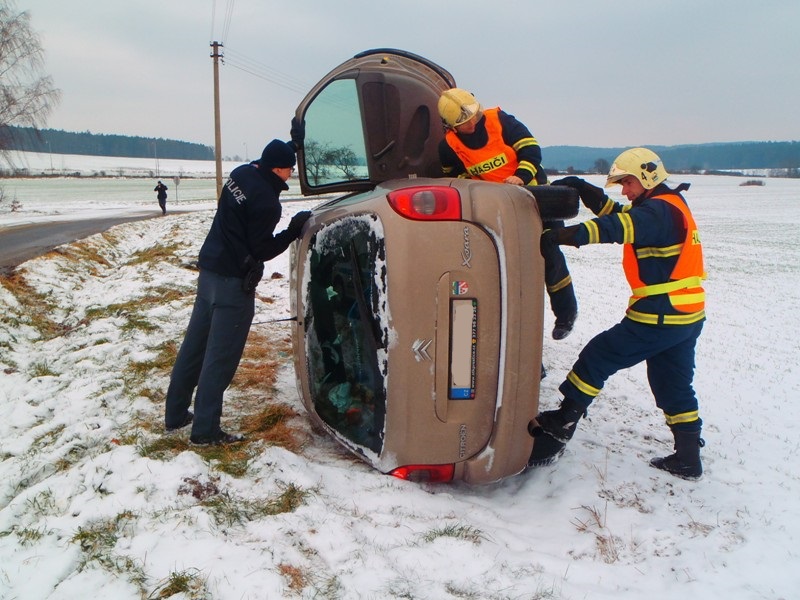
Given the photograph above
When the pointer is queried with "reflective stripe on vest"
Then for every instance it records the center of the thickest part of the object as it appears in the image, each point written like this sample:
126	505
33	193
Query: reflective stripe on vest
684	289
493	162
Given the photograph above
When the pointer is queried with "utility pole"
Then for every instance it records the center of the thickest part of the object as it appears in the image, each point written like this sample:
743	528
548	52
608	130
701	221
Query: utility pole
217	135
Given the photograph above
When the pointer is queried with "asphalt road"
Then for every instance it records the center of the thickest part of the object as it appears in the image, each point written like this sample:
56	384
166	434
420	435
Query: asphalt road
23	242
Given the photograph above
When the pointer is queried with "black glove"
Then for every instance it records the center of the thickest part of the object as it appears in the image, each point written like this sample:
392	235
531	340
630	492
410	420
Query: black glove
297	222
593	197
559	236
255	270
298	132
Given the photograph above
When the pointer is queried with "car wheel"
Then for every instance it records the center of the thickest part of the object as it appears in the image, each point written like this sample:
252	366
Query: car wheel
556	202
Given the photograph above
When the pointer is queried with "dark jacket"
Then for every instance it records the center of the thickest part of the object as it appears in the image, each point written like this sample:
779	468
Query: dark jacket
247	213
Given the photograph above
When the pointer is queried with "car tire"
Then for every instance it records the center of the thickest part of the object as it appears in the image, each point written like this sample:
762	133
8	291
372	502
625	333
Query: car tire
556	202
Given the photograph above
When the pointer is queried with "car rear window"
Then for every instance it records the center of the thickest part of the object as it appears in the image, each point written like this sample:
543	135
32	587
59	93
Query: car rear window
347	330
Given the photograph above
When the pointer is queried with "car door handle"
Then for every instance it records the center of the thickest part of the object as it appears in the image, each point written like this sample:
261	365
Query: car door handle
385	149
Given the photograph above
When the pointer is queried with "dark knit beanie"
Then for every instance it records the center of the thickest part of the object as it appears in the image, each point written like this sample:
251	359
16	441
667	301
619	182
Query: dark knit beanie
278	154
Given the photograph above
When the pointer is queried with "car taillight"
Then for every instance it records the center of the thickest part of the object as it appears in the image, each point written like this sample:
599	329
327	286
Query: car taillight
431	473
427	203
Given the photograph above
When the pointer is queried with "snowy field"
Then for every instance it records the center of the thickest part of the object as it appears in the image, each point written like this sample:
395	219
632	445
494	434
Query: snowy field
89	508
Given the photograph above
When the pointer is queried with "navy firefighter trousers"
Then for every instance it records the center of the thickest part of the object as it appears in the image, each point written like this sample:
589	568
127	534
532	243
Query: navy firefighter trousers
668	351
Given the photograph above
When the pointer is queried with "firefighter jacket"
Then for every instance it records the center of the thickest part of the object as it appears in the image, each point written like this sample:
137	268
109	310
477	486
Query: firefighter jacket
247	213
499	147
662	255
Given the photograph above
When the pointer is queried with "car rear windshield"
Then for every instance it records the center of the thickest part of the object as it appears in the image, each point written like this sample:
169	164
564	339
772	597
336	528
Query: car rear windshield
346	328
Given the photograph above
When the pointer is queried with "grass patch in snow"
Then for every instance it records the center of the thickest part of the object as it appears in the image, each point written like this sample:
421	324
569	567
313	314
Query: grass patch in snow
155	254
227	510
190	583
41	369
97	542
35	306
456	531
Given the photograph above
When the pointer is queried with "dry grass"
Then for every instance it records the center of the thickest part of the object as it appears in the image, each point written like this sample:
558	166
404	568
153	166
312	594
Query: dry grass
263	355
37	306
606	543
296	577
273	426
156	253
85	253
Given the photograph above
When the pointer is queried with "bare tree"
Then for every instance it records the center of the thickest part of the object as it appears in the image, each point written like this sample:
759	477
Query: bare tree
601	166
344	159
316	155
27	96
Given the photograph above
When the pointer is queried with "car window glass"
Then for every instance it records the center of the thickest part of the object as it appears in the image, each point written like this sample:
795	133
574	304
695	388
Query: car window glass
334	147
345	336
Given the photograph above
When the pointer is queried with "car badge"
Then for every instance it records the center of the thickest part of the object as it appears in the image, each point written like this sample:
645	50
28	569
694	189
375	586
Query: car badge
460	288
466	253
420	348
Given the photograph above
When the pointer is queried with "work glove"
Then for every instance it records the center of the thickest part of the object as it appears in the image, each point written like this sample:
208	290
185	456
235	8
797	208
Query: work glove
559	236
298	132
593	197
297	222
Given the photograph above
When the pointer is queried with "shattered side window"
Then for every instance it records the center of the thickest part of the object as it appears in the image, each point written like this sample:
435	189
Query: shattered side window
345	330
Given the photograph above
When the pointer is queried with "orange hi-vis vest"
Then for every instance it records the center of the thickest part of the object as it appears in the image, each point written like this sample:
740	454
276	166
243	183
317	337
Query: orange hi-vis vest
684	288
493	162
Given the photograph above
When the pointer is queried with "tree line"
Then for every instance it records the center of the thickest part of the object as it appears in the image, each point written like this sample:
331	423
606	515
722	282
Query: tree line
695	158
29	139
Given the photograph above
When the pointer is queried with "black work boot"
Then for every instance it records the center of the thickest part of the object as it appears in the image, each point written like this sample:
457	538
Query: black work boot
546	449
685	462
561	423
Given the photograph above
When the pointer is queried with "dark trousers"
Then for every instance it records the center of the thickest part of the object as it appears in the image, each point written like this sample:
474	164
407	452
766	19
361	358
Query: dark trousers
669	353
210	352
558	280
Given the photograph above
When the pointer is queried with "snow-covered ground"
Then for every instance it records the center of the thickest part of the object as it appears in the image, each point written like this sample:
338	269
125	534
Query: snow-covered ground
90	508
42	163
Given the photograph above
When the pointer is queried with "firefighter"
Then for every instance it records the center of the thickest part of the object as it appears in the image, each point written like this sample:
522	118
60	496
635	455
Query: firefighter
492	145
663	263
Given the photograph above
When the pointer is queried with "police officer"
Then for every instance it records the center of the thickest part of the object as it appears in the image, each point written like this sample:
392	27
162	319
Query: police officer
663	263
492	145
231	263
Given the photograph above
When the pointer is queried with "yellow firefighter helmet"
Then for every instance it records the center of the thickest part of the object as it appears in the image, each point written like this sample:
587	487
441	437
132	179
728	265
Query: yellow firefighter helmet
457	106
642	163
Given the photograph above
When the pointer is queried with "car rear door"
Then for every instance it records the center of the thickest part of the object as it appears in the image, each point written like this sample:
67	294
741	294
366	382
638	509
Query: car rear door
372	119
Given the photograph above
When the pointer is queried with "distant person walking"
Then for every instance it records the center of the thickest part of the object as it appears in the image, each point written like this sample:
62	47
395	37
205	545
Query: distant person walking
161	194
241	238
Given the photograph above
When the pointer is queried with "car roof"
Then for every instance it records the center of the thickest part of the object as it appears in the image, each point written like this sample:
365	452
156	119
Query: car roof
387	124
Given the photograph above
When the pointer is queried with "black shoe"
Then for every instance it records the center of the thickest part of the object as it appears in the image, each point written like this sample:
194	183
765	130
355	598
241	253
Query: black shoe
220	439
686	460
674	465
186	420
561	423
563	327
546	449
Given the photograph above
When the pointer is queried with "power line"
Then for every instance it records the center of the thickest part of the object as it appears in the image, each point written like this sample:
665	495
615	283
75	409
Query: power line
263	71
228	18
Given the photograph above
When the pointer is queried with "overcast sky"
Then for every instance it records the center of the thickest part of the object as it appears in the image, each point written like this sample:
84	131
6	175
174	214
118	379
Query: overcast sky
576	72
